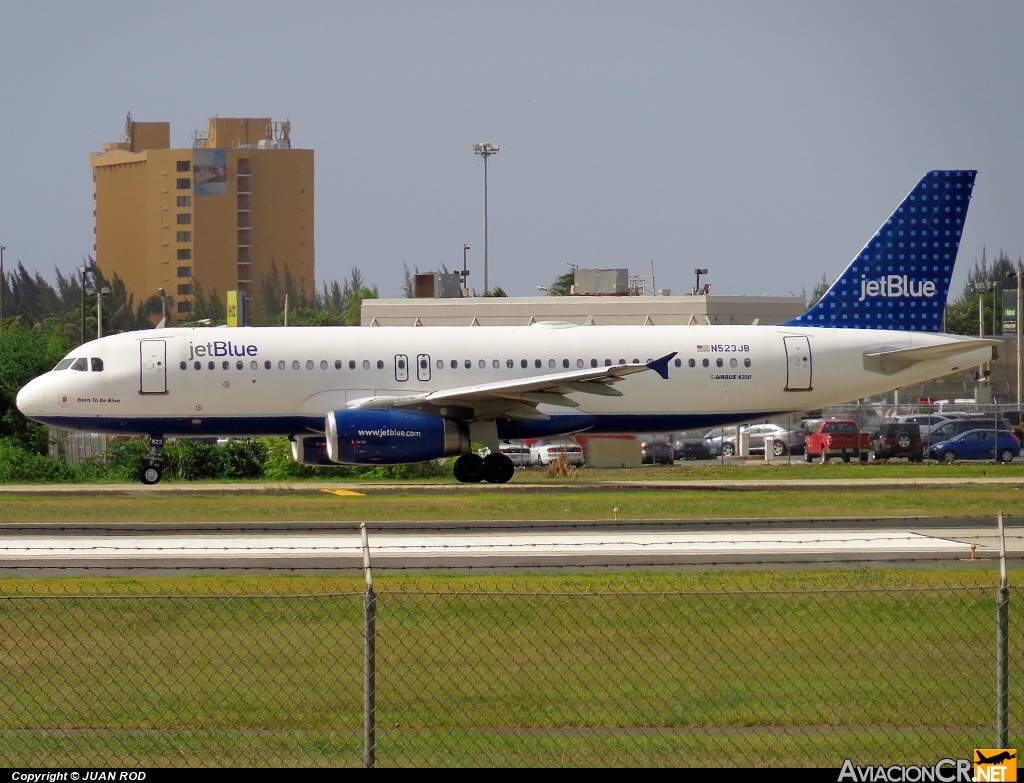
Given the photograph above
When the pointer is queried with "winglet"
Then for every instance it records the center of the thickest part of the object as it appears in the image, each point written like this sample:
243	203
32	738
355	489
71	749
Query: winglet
660	366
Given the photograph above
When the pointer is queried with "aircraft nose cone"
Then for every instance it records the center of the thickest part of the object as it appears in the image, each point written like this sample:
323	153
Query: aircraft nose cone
30	399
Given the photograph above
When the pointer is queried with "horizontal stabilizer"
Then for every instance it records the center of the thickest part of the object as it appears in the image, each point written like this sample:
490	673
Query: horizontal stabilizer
889	361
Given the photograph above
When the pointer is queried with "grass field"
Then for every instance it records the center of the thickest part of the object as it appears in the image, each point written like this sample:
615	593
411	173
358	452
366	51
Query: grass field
713	669
561	500
735	668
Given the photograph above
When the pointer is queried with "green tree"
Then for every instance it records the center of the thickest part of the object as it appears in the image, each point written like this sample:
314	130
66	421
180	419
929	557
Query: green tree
206	304
26	352
563	285
983	282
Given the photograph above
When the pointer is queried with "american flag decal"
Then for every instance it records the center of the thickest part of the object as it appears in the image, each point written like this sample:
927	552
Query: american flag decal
703	348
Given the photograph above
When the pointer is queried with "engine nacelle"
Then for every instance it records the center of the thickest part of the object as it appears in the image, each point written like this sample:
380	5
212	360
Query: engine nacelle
310	451
390	437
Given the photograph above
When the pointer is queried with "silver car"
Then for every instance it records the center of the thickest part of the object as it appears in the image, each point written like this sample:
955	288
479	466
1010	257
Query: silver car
722	440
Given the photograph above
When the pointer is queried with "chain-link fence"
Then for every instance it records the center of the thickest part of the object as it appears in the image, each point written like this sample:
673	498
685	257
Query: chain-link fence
724	668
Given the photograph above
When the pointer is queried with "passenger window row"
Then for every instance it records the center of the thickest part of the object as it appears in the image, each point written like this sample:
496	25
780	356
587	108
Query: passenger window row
323	364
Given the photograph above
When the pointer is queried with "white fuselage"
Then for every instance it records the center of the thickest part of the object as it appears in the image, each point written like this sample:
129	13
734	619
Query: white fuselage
283	381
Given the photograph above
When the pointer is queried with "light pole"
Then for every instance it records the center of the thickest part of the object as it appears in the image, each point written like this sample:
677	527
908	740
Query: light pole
698	272
164	298
85	269
1018	275
1020	352
3	288
485	149
104	291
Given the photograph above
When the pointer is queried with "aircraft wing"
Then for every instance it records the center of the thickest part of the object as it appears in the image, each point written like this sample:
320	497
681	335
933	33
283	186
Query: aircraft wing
517	398
892	360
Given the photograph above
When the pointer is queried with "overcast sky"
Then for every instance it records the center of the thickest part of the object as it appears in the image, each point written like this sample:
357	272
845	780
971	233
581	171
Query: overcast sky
766	141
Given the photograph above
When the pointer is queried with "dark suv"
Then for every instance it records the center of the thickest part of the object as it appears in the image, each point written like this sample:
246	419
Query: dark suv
899	439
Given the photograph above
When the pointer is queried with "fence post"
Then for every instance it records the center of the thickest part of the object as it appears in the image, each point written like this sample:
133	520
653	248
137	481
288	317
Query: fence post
1002	647
369	659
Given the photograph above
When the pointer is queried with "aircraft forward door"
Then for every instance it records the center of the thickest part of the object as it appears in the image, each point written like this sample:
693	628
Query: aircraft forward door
798	363
152	367
423	367
401	367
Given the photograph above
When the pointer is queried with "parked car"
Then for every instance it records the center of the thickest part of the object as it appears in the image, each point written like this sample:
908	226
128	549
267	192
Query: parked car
517	452
722	440
898	439
838	438
656	450
950	428
546	451
923	419
690	445
1000	445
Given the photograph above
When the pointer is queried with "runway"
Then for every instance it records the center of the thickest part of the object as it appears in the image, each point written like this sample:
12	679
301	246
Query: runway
605	545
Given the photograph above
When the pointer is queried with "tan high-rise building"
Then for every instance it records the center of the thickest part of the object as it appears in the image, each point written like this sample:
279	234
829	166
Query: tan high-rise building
218	215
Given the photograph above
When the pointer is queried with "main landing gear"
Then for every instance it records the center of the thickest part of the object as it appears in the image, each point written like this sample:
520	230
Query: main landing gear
153	461
495	468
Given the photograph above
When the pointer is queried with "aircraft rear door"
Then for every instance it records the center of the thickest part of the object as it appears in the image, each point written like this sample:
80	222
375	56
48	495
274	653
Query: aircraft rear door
798	363
152	367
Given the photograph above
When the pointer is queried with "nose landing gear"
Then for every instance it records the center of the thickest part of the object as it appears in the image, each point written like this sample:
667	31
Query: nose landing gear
152	463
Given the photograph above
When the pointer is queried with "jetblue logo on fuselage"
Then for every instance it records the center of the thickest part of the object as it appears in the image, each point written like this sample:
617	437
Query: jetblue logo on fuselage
220	348
895	287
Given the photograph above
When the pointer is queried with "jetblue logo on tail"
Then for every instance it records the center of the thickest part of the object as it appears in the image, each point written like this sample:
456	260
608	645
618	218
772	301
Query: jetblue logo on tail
893	286
900	280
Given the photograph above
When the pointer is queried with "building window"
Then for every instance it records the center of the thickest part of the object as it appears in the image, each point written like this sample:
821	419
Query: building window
184	289
184	183
184	236
185	307
184	218
185	254
184	201
184	165
184	271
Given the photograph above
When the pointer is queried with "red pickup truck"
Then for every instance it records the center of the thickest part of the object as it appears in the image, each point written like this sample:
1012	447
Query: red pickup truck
837	438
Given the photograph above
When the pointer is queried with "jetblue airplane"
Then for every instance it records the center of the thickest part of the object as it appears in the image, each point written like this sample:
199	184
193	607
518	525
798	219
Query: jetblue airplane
390	395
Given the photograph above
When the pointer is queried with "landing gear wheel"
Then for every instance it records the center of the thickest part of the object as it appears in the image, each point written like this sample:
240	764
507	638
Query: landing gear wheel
498	468
469	469
153	461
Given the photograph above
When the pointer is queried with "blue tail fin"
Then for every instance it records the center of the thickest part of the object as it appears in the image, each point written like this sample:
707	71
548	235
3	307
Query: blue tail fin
900	280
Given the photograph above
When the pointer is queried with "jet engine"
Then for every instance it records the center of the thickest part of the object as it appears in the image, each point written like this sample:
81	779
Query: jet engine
310	451
390	437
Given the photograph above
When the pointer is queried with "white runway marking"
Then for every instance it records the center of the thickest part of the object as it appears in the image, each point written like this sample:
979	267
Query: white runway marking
462	545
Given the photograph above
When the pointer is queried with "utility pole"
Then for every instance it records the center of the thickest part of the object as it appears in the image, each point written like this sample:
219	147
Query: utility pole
485	149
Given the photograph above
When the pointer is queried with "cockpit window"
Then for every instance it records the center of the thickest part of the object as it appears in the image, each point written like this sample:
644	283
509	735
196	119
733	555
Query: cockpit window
81	364
63	364
97	364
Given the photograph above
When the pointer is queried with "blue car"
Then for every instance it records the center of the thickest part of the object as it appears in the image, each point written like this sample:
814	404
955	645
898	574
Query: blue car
977	444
